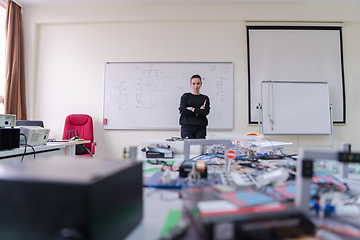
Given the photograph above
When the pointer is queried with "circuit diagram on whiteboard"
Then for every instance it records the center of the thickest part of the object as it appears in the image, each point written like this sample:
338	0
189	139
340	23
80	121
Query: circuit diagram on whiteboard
147	95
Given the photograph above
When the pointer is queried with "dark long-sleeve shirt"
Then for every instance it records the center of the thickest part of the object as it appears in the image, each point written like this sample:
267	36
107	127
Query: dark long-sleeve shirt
198	117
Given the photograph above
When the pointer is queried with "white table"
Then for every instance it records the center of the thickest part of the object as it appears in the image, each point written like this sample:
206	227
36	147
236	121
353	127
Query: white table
157	205
48	150
40	151
177	157
176	146
69	147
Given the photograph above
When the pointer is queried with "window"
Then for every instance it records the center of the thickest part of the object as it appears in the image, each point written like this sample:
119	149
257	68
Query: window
2	55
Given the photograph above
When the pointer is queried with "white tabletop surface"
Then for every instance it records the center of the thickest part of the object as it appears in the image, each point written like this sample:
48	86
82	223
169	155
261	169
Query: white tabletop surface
20	150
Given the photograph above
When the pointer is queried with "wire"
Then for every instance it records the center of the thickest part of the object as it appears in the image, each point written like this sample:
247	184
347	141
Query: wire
76	136
270	142
194	158
219	155
204	157
25	146
272	153
32	148
272	105
88	151
158	162
72	131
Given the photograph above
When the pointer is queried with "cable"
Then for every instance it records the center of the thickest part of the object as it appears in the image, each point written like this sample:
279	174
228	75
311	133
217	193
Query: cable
270	142
158	162
77	136
67	135
203	157
22	158
272	104
25	146
72	131
88	151
32	148
194	158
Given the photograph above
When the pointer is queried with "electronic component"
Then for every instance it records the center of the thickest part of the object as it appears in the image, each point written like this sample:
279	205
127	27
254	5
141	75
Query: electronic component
244	213
307	168
187	166
9	138
277	175
7	120
35	135
168	177
172	180
238	179
158	151
287	190
349	157
68	198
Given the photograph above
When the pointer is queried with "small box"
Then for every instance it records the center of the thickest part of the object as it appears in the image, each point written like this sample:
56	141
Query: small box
9	138
35	135
158	151
7	120
177	146
97	199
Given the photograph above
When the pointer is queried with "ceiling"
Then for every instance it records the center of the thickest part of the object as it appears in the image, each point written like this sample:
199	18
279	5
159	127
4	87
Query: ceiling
43	2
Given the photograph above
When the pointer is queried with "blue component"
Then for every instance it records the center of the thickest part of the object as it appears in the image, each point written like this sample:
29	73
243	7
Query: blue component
329	209
154	181
253	198
314	205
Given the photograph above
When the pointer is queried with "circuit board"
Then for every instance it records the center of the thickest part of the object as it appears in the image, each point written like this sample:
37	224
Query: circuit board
181	182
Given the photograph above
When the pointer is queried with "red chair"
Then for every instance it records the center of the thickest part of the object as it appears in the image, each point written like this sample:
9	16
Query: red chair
81	126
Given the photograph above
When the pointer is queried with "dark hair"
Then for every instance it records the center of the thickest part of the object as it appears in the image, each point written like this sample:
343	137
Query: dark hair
196	76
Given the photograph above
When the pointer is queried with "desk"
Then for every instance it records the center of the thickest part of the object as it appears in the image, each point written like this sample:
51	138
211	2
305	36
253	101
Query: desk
69	147
40	151
176	158
157	204
177	146
50	149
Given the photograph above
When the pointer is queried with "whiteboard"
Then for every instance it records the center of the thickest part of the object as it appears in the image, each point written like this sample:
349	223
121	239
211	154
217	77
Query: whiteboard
146	95
296	53
295	108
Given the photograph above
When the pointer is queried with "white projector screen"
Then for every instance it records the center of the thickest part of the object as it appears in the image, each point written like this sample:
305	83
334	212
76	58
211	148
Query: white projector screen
290	53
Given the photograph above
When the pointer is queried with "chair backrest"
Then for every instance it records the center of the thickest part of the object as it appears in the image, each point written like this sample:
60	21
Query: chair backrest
29	123
83	124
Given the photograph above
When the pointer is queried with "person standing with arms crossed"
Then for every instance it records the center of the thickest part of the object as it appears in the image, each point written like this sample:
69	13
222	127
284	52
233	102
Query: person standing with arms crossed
194	107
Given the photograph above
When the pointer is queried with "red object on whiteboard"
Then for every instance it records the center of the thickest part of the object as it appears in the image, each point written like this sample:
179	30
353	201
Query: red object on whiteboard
105	121
231	154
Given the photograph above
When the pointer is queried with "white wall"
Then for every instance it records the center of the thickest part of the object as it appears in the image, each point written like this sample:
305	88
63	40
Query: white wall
67	46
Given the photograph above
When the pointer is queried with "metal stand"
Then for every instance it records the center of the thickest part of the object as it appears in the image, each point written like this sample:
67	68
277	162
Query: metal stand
202	142
344	166
132	153
259	107
304	172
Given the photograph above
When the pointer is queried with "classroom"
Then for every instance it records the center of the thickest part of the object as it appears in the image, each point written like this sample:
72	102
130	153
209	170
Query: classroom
66	47
73	51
